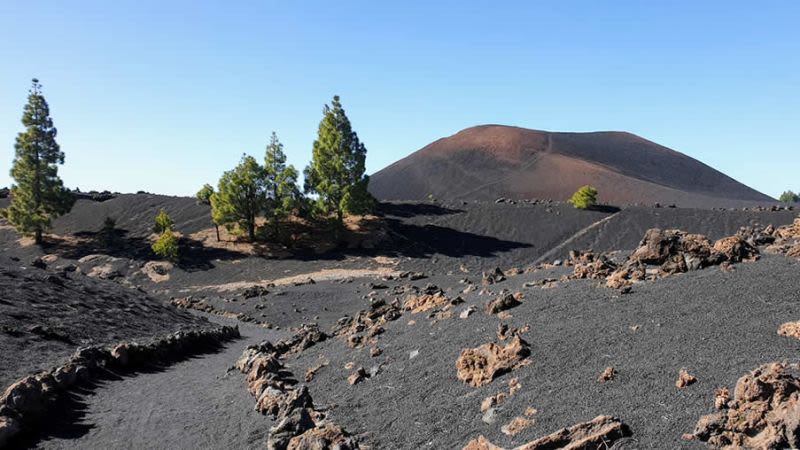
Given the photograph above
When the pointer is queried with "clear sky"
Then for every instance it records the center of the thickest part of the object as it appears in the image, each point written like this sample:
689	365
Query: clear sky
165	95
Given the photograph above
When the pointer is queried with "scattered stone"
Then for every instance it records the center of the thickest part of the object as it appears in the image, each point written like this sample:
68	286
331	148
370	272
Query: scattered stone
493	276
157	271
467	312
479	366
684	379
312	371
600	432
375	351
763	414
514	386
325	437
516	426
359	375
587	265
607	375
492	401
425	302
503	303
790	329
255	291
413	354
489	416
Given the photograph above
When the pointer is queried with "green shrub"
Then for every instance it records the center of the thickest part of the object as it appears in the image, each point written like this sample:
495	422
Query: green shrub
584	198
166	247
163	223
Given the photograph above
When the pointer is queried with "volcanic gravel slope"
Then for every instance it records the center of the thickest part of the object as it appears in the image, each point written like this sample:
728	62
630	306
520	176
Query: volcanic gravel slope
134	213
491	161
45	317
718	325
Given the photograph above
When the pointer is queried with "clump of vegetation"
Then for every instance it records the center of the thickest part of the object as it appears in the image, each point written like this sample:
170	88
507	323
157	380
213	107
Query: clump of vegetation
204	194
335	183
166	247
250	191
38	195
789	197
163	222
584	198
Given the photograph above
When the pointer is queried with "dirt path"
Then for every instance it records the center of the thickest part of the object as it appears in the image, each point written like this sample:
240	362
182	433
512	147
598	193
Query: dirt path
192	404
557	250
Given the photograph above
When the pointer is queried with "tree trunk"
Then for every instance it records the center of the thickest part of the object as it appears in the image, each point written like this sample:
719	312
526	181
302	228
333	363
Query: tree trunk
38	236
216	228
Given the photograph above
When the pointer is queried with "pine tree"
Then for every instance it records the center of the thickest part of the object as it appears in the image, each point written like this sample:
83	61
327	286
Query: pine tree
789	197
39	194
162	222
280	182
241	196
336	172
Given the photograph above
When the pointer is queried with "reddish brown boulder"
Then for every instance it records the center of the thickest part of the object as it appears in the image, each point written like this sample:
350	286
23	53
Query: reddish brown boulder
790	329
735	249
503	303
684	379
600	432
425	302
607	375
328	436
480	365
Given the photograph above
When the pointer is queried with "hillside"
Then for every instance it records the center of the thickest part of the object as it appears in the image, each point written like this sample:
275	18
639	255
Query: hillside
492	161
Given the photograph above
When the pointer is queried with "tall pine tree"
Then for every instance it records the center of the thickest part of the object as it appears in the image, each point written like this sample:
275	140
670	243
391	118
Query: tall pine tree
38	195
336	172
281	183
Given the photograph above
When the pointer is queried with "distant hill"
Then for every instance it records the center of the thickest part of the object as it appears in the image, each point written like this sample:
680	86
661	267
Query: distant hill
492	161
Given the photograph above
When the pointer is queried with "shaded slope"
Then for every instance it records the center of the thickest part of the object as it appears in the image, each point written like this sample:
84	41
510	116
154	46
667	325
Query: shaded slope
45	317
491	161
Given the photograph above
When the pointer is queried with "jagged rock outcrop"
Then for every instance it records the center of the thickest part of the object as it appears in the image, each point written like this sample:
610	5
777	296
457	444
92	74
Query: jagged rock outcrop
665	252
764	413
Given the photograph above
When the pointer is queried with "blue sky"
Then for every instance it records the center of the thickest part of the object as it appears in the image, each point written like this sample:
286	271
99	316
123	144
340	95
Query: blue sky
165	95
